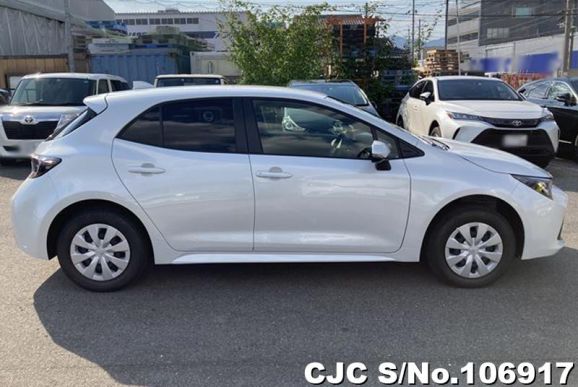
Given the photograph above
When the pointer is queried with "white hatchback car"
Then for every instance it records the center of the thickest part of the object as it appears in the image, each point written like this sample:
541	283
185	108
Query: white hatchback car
257	174
483	111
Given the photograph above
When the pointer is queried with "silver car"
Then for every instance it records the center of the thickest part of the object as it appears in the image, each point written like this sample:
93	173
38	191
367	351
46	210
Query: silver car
43	103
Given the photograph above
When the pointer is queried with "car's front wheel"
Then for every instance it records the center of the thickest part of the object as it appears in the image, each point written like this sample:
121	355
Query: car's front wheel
102	250
470	247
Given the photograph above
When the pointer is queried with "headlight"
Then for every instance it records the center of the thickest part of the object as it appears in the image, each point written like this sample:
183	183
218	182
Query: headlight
65	119
464	117
548	117
541	185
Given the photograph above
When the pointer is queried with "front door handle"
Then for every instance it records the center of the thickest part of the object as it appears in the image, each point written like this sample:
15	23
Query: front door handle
274	173
146	169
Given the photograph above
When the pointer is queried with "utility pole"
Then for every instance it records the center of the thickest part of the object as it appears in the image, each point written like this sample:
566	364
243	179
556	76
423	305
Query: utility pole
419	41
458	32
447	11
68	36
412	31
568	21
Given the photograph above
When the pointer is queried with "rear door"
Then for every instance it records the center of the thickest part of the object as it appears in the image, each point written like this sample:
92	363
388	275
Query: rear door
185	162
316	191
413	109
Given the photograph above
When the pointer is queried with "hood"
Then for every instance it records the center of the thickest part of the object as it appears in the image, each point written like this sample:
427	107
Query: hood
494	160
497	109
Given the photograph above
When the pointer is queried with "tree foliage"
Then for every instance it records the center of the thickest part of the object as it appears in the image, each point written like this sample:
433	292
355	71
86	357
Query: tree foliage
278	44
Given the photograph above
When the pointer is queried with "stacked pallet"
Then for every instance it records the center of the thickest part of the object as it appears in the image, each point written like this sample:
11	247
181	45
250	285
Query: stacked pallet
441	62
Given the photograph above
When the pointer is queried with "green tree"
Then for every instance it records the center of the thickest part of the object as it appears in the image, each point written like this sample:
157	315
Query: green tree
277	44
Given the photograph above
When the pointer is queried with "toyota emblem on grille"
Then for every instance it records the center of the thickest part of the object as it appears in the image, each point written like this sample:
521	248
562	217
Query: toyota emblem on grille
517	123
29	120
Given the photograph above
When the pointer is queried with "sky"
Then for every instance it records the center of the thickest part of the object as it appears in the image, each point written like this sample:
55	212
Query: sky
396	12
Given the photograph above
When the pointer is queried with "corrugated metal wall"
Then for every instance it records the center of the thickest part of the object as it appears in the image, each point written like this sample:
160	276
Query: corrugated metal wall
23	33
140	66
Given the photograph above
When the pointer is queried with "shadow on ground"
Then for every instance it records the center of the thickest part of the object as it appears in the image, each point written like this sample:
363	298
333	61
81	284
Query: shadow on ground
259	324
18	171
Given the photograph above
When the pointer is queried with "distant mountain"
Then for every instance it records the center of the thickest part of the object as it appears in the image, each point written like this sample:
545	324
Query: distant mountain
400	41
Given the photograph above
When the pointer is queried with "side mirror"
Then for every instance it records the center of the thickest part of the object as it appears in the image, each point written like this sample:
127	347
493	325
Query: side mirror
426	97
567	99
380	152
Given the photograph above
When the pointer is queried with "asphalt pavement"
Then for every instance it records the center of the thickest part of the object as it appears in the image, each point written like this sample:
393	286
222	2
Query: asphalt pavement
260	324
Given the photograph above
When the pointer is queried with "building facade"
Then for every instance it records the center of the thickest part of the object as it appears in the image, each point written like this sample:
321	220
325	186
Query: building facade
510	35
199	25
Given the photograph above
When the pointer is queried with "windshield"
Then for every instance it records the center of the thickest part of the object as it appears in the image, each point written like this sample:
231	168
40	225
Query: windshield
476	89
166	82
349	94
53	91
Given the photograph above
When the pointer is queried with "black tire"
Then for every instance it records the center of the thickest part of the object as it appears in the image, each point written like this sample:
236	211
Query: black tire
140	249
435	245
435	132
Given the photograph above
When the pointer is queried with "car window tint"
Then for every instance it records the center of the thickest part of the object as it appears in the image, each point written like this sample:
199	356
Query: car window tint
558	89
118	85
428	87
145	129
539	90
202	126
300	129
415	91
102	86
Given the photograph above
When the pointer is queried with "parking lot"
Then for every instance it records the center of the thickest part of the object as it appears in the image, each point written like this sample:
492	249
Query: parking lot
260	324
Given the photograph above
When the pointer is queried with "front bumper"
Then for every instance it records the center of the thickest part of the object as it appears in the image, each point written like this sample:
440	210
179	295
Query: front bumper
542	219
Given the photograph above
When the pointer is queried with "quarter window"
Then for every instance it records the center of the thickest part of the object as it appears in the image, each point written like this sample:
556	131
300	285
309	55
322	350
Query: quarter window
102	86
298	129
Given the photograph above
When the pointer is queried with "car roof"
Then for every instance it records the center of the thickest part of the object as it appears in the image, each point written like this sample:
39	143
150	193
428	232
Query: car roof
321	82
163	76
454	77
74	75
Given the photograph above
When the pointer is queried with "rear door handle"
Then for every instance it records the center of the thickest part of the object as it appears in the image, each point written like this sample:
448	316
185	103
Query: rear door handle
274	173
145	169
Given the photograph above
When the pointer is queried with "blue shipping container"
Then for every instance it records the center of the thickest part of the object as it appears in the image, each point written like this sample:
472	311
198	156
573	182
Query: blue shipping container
139	65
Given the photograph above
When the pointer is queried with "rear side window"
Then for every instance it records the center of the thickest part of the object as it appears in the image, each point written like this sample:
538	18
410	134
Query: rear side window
102	86
539	90
200	126
145	129
118	85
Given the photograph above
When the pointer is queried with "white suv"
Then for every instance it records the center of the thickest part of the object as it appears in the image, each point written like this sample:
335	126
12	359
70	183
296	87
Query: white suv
43	103
255	174
483	111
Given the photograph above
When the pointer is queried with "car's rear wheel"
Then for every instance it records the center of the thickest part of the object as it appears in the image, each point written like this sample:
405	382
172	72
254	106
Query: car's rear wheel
470	247
435	132
102	250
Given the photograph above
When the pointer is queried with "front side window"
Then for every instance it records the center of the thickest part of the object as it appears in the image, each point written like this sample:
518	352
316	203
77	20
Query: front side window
199	126
415	91
53	91
475	90
300	129
558	89
350	94
428	88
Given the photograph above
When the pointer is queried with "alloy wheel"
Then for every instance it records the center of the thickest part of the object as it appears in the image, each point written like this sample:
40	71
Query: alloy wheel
100	252
474	250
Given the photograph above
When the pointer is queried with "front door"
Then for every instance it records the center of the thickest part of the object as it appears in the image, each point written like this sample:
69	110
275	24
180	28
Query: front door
316	191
